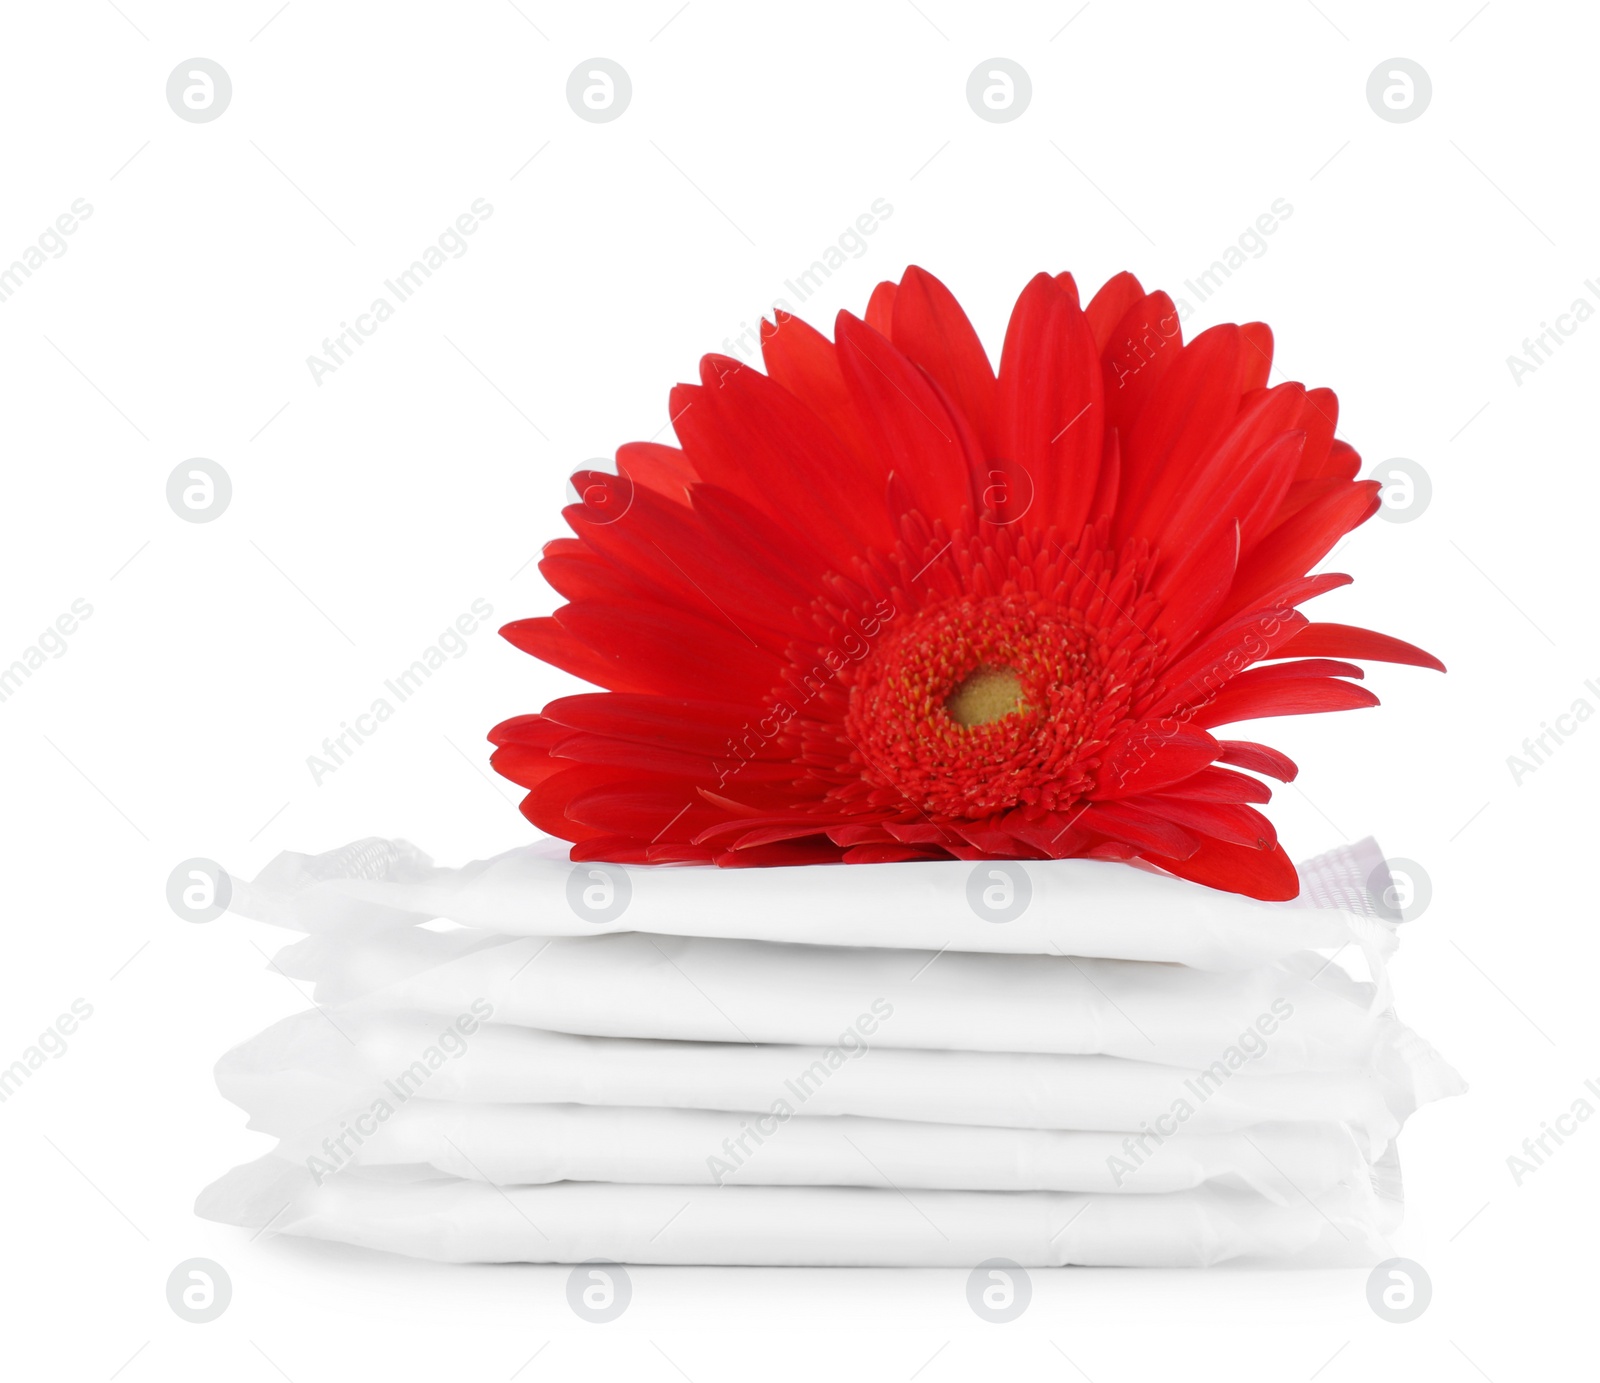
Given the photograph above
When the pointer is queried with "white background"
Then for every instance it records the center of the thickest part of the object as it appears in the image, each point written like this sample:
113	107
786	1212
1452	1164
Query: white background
368	512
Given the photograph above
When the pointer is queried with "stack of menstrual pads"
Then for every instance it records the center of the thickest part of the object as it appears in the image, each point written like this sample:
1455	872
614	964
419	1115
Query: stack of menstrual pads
942	1063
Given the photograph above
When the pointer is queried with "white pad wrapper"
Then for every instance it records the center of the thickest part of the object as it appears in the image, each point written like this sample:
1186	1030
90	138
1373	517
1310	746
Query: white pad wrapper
1071	907
1309	1014
529	1144
459	1221
927	1064
316	1069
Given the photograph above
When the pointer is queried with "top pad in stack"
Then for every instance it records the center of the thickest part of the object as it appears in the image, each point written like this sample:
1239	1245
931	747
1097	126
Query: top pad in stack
1090	908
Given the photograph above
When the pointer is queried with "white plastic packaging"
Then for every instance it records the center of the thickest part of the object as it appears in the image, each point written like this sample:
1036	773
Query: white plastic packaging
927	1064
1045	907
576	1222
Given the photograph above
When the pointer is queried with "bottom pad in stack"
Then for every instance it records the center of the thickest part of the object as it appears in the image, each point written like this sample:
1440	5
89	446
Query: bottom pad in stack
921	1064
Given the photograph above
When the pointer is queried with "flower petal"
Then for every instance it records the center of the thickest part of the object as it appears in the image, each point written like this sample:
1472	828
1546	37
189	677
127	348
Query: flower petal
1347	641
933	331
1266	874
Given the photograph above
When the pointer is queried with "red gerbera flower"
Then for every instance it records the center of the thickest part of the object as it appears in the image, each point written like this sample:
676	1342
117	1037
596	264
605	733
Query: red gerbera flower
885	604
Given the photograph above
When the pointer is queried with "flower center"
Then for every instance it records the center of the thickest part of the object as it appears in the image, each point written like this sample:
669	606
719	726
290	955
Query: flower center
979	704
986	696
